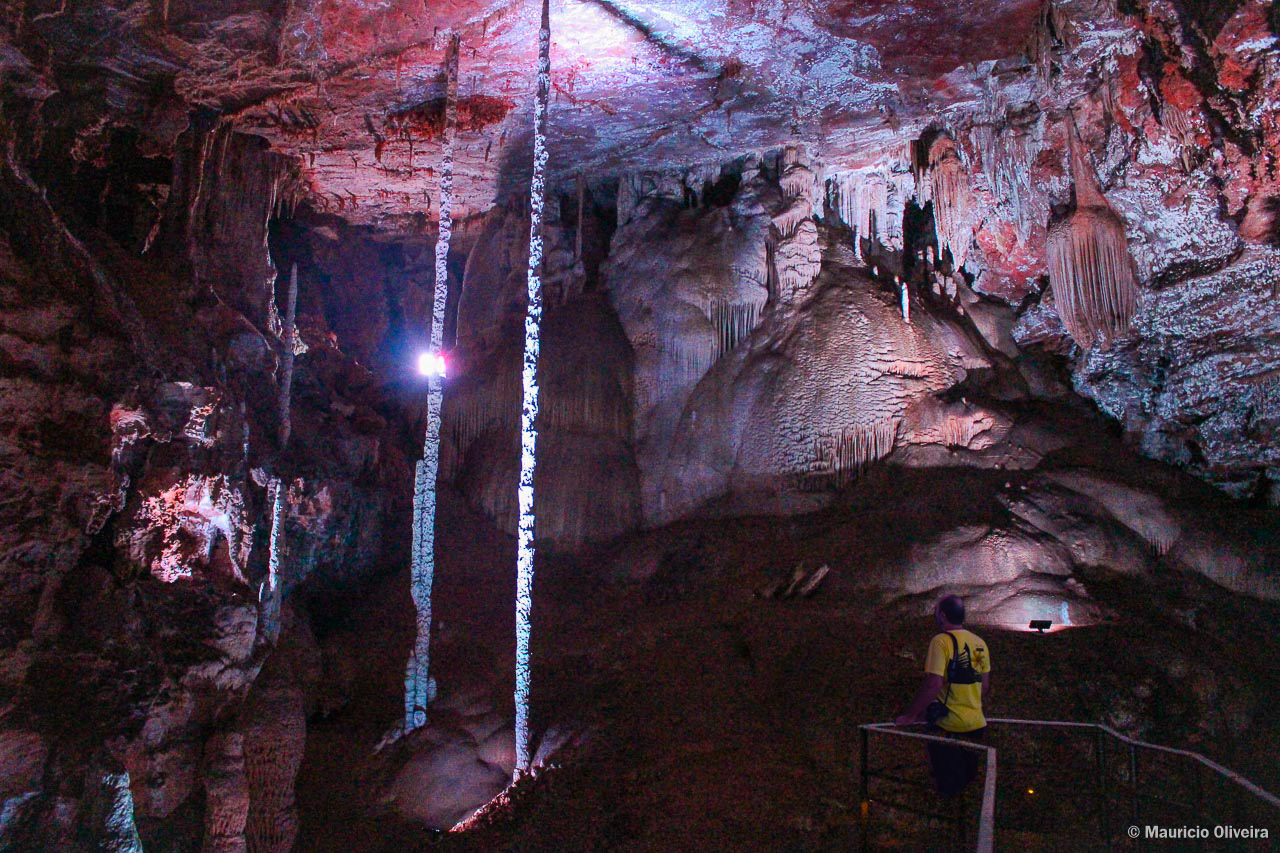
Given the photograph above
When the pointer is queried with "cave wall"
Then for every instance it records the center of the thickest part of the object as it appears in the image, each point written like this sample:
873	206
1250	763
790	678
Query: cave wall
586	482
139	396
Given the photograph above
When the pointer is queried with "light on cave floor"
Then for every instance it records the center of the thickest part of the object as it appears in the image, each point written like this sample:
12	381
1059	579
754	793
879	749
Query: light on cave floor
431	364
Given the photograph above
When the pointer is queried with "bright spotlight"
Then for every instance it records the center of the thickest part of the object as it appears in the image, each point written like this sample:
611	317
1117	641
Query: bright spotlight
431	364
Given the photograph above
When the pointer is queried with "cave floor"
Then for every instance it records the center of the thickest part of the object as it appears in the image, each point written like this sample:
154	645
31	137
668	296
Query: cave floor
711	718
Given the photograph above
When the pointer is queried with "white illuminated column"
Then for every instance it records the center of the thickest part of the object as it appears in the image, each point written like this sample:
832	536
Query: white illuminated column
529	411
417	680
906	303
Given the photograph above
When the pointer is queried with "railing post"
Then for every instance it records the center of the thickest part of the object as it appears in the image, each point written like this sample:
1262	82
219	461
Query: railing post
1133	780
864	803
1104	796
1198	803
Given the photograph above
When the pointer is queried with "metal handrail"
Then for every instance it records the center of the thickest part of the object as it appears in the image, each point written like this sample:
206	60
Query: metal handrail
986	822
1260	793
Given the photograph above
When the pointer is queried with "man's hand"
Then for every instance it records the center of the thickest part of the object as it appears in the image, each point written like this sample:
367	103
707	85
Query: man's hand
929	691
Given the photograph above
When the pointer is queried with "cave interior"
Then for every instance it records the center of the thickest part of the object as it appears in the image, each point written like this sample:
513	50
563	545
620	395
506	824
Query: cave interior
818	310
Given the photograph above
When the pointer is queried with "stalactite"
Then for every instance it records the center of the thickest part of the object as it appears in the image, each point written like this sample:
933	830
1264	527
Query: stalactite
595	404
197	425
949	185
477	408
840	459
860	200
871	201
911	369
1006	163
529	411
796	179
1175	120
628	198
286	364
418	686
797	211
959	432
1053	28
732	321
1090	269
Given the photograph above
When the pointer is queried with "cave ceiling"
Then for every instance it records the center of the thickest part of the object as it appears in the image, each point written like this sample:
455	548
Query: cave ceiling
354	88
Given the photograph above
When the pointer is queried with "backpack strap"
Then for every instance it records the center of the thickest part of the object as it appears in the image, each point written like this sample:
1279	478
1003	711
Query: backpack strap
951	665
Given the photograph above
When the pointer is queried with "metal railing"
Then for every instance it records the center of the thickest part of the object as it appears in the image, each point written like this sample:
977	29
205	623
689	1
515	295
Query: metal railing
1111	780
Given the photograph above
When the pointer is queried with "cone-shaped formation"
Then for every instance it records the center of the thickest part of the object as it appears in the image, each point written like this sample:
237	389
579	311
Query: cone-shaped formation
949	183
1090	268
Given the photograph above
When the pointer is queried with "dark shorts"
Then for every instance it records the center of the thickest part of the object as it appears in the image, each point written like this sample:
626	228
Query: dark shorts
954	767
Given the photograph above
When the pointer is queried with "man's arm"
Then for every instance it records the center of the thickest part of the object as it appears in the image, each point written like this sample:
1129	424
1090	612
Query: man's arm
927	693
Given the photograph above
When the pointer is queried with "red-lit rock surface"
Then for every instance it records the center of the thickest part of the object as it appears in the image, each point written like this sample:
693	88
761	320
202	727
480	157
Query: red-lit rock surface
354	89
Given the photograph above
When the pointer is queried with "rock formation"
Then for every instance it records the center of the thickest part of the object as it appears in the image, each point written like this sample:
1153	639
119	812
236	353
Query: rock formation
1089	265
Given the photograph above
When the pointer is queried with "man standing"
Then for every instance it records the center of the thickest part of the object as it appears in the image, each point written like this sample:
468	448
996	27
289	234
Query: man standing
957	674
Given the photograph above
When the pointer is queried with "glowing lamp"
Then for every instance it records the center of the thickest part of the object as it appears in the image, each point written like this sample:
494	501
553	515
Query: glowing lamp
431	364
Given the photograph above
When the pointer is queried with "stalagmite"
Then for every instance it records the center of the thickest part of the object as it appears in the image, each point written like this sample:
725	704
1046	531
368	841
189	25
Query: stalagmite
269	595
1090	269
949	183
226	813
529	411
112	821
906	299
418	686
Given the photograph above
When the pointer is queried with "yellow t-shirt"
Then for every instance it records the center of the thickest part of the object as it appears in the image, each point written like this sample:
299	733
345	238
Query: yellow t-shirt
965	700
